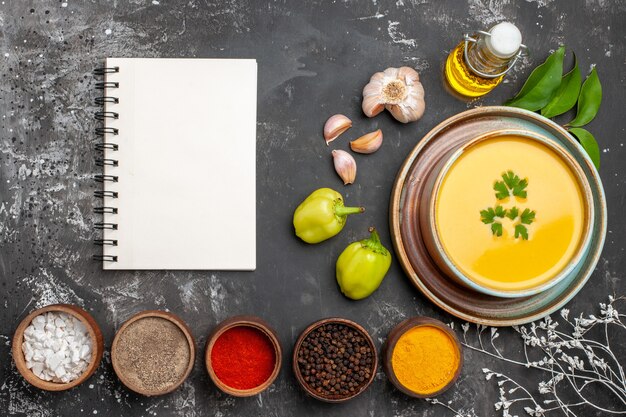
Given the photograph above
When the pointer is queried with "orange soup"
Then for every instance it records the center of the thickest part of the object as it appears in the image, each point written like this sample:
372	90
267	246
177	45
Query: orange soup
510	213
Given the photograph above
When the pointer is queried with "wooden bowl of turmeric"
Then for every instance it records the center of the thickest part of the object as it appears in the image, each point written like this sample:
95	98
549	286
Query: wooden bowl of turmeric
422	357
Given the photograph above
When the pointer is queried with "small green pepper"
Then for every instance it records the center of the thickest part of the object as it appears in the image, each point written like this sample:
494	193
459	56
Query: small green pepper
321	215
362	266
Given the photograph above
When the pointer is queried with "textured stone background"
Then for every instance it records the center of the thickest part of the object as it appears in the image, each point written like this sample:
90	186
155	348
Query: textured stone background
314	58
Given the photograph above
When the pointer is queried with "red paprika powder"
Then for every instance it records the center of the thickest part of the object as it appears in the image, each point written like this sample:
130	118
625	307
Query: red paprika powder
243	357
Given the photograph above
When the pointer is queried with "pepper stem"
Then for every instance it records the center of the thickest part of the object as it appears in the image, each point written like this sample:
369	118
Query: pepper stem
343	211
374	243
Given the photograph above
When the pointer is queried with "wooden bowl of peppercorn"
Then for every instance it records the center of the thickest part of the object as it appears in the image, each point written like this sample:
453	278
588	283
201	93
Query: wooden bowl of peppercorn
243	356
335	360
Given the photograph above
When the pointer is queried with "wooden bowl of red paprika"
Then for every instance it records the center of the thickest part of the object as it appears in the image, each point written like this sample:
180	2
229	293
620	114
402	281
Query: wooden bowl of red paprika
243	356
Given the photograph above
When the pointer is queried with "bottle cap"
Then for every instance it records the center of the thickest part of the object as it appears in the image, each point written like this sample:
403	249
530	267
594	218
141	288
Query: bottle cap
505	40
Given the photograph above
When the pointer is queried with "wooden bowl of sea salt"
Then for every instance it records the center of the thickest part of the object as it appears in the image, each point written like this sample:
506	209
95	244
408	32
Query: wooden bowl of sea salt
57	347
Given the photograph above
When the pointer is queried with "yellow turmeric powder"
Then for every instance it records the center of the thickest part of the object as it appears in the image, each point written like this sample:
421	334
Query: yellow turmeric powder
425	359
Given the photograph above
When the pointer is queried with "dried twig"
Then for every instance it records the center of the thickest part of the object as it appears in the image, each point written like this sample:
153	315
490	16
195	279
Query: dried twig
571	359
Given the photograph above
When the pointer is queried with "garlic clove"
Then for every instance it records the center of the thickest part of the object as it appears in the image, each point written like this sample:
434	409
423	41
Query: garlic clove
409	75
335	126
372	103
368	143
391	73
345	165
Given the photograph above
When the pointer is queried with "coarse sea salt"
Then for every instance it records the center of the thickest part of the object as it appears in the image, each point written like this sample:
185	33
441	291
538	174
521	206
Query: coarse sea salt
57	347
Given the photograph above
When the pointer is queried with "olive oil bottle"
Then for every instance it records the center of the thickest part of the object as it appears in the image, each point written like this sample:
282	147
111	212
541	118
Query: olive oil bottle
480	62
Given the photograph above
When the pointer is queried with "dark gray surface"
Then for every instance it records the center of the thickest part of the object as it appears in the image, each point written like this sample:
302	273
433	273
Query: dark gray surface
314	59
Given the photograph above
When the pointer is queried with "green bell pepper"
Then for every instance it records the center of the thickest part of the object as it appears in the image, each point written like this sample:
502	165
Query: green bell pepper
321	215
362	266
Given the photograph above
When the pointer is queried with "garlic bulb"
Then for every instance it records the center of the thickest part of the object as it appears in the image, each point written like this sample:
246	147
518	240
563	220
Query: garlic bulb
399	91
345	165
368	143
335	126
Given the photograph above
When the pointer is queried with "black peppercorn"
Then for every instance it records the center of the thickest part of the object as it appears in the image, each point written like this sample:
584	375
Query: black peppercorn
336	359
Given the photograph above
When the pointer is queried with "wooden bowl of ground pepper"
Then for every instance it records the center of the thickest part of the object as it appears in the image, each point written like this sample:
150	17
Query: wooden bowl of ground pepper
335	360
422	357
243	356
153	352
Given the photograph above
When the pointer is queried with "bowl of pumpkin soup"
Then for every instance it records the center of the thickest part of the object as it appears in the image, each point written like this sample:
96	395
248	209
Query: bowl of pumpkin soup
508	214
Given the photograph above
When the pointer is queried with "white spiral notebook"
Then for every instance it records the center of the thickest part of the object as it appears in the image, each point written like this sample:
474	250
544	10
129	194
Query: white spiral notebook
178	152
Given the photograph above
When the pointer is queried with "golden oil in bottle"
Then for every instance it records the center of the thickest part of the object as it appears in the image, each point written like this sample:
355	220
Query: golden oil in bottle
479	63
463	80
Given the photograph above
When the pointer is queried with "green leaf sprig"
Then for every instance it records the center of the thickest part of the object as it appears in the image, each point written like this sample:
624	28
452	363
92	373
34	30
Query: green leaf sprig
511	184
566	95
548	91
541	84
588	100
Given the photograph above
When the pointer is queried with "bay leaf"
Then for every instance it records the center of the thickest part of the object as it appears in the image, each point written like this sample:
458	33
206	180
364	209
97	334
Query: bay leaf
589	143
541	84
566	95
588	101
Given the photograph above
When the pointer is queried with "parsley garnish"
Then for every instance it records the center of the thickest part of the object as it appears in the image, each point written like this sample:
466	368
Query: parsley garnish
496	229
501	190
528	216
512	213
520	230
510	179
487	216
520	189
511	184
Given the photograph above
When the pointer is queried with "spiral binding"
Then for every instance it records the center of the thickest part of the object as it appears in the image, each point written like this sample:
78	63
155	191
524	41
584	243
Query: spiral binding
103	85
106	99
101	115
105	70
105	178
106	161
104	209
108	226
105	258
105	242
101	131
101	147
103	194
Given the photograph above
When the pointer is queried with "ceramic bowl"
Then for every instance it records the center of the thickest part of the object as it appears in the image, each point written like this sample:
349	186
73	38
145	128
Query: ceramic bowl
427	214
249	321
407	235
156	314
394	336
300	377
96	353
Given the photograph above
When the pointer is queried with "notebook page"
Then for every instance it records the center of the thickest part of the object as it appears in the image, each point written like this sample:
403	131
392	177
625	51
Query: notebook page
187	158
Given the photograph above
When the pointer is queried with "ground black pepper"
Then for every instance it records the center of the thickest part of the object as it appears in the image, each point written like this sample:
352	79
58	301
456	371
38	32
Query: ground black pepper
153	354
335	360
